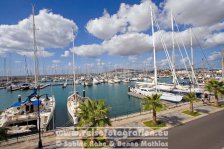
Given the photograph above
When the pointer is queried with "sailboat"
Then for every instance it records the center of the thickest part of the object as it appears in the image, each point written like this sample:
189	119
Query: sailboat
96	81
26	85
177	88
148	89
35	108
73	99
65	84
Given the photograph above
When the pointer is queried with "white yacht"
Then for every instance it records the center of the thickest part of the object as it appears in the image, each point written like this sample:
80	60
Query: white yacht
13	87
126	80
65	84
22	112
96	81
148	89
116	80
25	111
25	86
77	82
110	81
72	106
88	82
133	79
73	100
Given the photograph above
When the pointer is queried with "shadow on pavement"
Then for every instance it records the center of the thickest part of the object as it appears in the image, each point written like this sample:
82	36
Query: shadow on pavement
172	120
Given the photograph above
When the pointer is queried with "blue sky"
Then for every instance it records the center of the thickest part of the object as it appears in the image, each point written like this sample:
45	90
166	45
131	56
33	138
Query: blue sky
115	33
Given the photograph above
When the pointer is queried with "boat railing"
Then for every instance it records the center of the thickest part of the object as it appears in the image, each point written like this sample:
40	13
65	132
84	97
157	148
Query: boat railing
21	117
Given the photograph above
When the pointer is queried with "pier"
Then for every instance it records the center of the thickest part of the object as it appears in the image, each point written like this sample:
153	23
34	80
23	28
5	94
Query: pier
167	103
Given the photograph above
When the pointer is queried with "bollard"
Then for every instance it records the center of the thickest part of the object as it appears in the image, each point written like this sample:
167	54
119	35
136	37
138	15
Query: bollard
129	89
19	98
84	93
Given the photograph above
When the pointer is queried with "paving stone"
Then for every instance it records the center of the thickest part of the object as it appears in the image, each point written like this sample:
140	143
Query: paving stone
174	118
205	109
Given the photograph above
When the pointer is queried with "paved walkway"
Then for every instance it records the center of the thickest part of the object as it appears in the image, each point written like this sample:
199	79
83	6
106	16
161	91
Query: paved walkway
144	116
171	116
31	144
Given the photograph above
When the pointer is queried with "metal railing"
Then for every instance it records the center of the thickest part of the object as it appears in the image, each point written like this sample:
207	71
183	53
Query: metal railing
26	138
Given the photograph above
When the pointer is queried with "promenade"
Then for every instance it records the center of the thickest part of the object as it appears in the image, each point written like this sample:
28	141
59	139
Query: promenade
172	116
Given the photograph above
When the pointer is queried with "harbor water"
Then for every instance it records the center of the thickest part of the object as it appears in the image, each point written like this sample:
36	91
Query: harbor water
115	95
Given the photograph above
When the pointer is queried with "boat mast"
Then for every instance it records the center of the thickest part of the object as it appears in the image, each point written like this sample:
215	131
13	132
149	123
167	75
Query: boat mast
26	69
5	71
173	52
154	50
192	55
73	61
35	50
223	64
203	67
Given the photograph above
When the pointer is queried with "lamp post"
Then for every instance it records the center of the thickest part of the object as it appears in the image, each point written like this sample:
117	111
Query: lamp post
40	141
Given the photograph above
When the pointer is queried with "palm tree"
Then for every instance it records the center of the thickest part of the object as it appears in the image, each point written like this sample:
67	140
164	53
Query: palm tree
93	113
191	97
215	87
152	103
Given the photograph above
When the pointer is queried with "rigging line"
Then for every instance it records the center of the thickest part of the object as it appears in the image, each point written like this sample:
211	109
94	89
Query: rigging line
202	49
169	61
183	60
192	69
67	123
216	62
167	54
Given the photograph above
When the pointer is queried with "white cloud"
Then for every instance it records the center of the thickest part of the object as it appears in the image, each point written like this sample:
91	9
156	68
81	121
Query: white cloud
162	63
215	39
69	64
214	56
183	60
148	61
66	53
133	58
53	31
56	61
39	53
137	16
125	44
193	12
99	62
124	31
18	62
106	26
137	43
128	44
128	18
92	50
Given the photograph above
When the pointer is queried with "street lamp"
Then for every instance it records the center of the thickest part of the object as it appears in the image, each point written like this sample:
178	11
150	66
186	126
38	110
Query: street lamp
40	141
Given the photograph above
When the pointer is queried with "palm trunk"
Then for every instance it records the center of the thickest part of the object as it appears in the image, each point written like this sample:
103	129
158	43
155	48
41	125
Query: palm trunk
191	107
154	116
216	100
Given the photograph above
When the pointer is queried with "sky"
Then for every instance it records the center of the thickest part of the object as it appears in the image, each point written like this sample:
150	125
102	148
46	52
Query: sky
109	34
